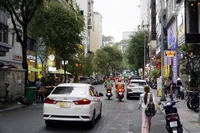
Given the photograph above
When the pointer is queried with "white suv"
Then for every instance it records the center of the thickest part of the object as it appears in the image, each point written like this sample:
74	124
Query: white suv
135	88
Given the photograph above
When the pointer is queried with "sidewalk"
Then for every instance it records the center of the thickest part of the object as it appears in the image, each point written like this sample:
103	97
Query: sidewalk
188	118
5	108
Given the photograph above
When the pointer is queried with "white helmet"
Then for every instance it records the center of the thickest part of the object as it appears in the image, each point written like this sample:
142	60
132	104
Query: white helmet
178	78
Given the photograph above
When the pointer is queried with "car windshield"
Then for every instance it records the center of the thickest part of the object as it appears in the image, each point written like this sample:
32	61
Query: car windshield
69	90
138	83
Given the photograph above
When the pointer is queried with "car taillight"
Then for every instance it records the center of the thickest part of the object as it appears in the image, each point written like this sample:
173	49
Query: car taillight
50	101
82	101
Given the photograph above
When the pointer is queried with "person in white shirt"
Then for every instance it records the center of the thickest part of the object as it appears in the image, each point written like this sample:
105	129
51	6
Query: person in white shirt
144	100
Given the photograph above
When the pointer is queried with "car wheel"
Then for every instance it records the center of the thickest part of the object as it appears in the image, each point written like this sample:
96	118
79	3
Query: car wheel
92	122
49	123
100	114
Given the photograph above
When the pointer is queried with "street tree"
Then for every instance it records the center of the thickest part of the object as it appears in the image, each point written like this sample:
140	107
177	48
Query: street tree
107	40
60	27
135	50
21	13
108	59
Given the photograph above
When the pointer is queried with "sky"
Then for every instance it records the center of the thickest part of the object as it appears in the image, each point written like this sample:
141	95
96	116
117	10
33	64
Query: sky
118	16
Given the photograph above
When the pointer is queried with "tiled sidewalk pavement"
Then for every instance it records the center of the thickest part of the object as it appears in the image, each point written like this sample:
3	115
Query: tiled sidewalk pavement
188	118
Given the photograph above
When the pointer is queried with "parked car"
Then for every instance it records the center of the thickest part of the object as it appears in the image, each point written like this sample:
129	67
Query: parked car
135	88
72	102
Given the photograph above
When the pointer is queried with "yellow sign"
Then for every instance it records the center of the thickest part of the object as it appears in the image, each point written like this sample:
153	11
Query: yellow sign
170	53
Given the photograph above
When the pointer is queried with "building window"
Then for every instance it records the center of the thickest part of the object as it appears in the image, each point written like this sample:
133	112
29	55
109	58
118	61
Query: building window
3	33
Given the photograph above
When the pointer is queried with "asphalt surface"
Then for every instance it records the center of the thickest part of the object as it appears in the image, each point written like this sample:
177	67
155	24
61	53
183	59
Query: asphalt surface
117	117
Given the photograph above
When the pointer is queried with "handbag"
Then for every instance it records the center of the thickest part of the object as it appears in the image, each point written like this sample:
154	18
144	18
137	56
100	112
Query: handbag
150	110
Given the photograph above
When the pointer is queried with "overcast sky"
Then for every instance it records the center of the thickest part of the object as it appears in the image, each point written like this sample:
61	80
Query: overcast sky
118	16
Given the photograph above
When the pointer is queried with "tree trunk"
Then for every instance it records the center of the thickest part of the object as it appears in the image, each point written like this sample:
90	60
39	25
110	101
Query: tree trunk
24	54
65	67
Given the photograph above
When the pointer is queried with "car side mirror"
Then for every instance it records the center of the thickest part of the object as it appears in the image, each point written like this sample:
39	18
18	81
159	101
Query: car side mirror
100	94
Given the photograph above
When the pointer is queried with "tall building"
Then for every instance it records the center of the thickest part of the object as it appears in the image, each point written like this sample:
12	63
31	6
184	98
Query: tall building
96	33
152	32
86	7
144	13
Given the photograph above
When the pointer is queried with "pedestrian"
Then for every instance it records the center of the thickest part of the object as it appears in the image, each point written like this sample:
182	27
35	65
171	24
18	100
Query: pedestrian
38	85
178	86
143	102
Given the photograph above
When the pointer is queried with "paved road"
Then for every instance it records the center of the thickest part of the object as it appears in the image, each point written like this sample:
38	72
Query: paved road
118	117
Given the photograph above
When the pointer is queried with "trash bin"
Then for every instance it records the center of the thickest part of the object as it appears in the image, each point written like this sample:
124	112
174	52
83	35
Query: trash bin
31	93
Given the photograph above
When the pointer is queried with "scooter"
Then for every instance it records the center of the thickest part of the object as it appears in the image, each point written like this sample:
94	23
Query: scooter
173	124
120	94
109	93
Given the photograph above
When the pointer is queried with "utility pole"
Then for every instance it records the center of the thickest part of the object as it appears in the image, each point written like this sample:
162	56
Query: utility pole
162	52
144	48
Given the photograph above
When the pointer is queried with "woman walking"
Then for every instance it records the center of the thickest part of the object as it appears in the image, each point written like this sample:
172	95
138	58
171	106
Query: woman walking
144	100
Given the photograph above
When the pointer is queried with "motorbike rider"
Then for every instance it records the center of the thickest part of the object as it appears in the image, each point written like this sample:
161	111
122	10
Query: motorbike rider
108	84
119	85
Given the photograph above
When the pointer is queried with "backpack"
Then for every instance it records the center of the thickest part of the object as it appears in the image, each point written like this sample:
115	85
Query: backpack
150	110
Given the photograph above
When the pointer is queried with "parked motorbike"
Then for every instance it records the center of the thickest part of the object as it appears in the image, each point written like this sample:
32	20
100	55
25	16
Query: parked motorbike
109	93
192	99
173	123
120	94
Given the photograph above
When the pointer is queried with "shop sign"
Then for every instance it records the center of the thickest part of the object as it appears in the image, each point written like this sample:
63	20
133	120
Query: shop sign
181	26
31	57
51	57
175	69
170	53
172	37
17	57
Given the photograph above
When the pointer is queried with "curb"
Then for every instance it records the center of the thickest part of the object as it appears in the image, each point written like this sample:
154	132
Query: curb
12	108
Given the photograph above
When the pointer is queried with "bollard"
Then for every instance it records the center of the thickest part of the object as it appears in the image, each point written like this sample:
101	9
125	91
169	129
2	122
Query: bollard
159	92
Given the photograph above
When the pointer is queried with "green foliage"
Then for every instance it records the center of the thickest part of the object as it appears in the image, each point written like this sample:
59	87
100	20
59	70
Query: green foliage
107	40
135	50
155	74
21	13
108	59
60	27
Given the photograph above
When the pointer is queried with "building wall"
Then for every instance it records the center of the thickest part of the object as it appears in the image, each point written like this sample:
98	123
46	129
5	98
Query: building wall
14	56
96	33
86	6
144	12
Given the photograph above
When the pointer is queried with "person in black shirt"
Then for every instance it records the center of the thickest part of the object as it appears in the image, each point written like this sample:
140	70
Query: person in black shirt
178	85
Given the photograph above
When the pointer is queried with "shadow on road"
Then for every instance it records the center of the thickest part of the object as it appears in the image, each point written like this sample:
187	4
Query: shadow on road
72	127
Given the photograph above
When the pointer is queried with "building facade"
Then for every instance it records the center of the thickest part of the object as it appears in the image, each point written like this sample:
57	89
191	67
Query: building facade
96	33
86	7
144	13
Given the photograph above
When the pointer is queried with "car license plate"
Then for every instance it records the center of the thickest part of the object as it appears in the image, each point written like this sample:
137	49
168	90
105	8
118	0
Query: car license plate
173	124
65	104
